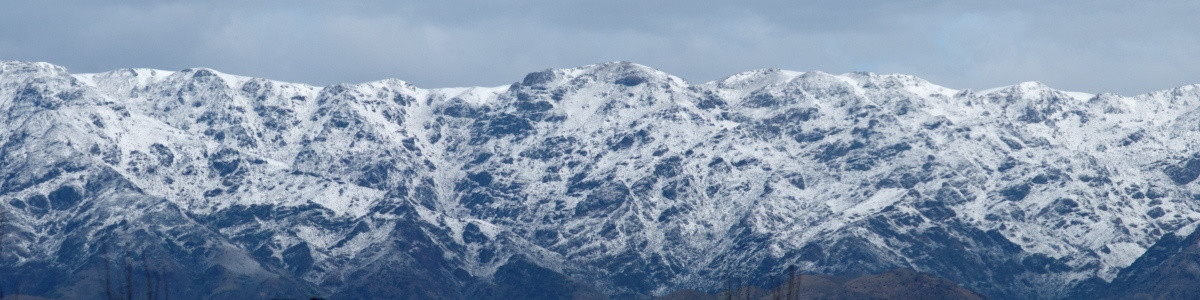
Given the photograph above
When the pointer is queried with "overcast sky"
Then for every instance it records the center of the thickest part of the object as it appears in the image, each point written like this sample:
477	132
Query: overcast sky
1128	47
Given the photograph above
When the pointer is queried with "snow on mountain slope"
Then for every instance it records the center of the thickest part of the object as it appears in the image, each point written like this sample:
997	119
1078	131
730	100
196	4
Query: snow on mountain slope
615	175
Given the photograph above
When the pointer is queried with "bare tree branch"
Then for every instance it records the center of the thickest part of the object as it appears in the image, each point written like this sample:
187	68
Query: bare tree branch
108	292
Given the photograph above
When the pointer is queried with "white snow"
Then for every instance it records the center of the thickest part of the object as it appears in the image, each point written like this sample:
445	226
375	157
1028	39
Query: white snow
726	166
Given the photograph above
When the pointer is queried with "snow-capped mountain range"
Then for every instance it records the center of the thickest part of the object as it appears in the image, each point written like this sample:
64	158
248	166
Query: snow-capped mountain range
613	179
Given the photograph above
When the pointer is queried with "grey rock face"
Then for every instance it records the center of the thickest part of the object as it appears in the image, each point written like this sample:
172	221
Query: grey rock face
612	179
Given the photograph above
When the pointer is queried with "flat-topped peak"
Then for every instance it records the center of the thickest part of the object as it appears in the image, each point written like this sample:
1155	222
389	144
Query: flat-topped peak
1034	89
1019	88
617	72
13	66
139	74
756	78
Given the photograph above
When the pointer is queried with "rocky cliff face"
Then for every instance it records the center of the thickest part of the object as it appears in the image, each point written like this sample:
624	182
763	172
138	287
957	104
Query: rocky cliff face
1168	270
610	179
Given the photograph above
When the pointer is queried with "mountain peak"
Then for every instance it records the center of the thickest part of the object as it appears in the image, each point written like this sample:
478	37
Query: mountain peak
614	173
756	78
1032	85
8	67
1034	90
618	72
1023	88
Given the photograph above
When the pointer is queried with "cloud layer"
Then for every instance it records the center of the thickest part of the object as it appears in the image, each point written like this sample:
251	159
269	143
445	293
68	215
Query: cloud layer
1097	46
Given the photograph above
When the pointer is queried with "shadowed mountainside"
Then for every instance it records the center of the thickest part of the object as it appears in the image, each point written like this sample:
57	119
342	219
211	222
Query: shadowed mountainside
1169	270
895	284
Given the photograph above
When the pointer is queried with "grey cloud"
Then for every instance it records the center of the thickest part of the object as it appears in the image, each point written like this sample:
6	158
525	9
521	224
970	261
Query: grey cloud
1124	47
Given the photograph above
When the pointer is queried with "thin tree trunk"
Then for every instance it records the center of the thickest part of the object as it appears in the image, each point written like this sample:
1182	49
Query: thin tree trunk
149	283
108	293
791	281
166	283
3	233
128	277
160	283
777	293
729	288
799	284
737	289
746	289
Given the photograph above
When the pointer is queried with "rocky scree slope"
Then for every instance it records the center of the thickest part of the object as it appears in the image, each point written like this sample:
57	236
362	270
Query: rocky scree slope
610	179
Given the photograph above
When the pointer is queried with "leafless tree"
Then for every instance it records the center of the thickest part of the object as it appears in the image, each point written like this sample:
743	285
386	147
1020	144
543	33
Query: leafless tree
791	282
108	292
149	282
778	292
156	279
728	289
3	233
128	276
746	289
166	288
